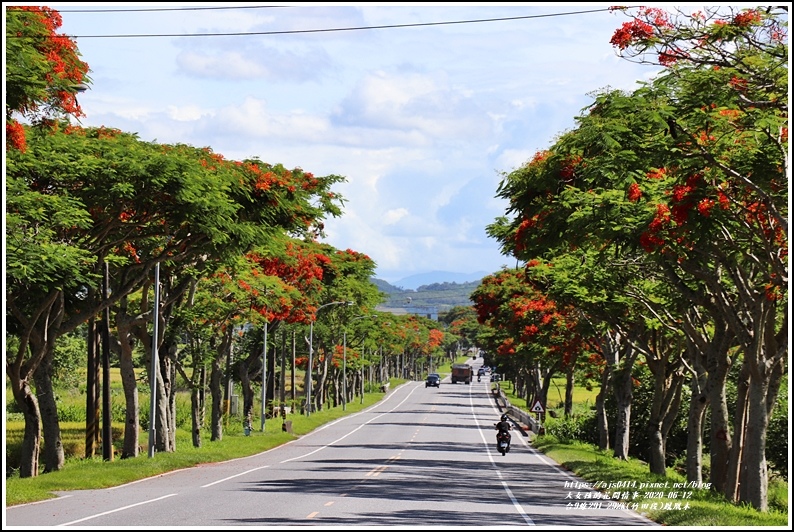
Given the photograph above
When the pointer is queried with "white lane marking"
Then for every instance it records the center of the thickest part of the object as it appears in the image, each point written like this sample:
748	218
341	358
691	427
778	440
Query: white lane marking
352	431
313	432
235	476
117	510
515	502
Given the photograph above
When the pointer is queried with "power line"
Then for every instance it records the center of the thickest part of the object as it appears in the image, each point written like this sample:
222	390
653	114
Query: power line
153	9
326	30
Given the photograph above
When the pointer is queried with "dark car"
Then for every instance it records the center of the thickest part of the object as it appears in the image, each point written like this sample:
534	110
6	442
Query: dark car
433	379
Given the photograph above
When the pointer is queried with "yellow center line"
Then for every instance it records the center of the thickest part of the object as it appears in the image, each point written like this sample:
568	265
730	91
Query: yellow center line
312	515
375	472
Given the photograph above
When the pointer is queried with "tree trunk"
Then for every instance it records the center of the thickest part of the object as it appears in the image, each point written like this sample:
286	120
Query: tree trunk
322	373
31	441
92	390
132	418
282	385
733	478
546	376
753	488
163	422
270	384
623	390
601	412
720	443
195	416
36	341
250	363
293	388
217	394
665	403
569	385
203	395
711	363
170	391
335	398
52	454
765	379
162	425
196	384
698	403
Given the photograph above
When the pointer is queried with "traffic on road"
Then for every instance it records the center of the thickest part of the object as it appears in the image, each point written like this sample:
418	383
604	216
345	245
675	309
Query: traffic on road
423	456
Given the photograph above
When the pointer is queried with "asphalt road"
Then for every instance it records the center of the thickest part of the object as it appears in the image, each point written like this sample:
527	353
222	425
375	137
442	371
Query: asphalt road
421	458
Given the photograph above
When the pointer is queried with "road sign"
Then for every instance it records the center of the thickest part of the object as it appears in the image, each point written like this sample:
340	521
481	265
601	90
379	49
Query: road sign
538	407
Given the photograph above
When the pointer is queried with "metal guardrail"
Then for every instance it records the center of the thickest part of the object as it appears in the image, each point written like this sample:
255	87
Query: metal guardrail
524	418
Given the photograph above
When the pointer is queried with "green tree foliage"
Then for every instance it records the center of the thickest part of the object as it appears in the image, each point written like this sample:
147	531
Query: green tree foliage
461	322
682	182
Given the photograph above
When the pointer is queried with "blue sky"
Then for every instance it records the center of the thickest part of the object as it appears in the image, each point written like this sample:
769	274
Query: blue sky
422	120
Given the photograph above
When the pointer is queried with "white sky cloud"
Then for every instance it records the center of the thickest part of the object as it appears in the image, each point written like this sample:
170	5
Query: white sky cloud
422	121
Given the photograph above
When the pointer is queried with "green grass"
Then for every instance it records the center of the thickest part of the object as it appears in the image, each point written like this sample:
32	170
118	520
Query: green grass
706	508
697	507
95	473
583	398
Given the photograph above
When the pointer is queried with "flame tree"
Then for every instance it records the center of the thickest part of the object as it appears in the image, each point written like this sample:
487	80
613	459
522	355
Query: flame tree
537	337
687	176
44	71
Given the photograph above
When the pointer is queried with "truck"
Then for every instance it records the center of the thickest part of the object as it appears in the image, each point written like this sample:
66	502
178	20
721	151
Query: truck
462	373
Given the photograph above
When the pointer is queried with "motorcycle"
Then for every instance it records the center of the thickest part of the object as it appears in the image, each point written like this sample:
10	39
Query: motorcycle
503	442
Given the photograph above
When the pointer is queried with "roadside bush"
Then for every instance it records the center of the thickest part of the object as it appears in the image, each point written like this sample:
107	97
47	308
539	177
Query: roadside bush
11	405
183	420
777	437
70	412
568	430
69	358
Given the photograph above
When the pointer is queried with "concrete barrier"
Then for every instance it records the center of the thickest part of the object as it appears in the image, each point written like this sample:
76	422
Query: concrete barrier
516	414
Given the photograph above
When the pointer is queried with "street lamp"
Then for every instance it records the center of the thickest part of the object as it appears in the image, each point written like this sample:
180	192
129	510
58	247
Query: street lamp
264	371
155	334
311	352
264	377
344	363
155	363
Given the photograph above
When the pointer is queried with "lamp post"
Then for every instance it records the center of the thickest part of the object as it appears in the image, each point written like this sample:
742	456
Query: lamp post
155	334
264	371
264	377
155	363
362	376
344	363
311	352
344	369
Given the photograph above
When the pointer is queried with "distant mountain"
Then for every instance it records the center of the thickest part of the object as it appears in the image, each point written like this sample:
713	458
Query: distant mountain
412	282
384	286
439	295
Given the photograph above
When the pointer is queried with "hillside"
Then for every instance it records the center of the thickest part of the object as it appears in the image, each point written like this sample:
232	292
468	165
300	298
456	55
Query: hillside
443	296
413	282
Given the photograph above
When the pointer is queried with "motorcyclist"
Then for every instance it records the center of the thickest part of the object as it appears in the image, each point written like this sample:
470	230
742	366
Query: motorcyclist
503	425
